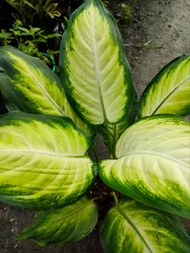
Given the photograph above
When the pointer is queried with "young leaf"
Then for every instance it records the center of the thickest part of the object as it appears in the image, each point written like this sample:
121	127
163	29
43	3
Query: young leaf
43	161
60	226
27	84
169	91
131	227
111	132
93	66
153	163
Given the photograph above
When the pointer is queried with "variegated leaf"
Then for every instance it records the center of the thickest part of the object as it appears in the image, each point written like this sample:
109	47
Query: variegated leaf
153	164
43	161
64	225
111	132
93	65
169	91
133	227
27	84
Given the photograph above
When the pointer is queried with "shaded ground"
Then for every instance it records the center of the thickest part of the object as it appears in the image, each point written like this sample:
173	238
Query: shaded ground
157	33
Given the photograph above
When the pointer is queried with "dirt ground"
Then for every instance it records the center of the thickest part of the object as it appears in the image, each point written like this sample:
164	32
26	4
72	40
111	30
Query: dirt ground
157	32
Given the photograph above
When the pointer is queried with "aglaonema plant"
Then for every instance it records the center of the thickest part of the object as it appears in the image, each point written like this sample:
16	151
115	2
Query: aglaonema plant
45	138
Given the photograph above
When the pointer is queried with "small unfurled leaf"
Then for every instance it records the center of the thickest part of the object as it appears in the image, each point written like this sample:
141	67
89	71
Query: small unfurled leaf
43	161
169	91
27	84
133	227
64	225
111	132
93	66
153	164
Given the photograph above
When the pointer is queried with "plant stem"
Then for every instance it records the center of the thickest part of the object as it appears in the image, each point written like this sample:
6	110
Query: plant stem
115	197
110	141
95	153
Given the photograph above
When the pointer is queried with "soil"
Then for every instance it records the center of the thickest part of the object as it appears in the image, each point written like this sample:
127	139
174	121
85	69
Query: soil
156	33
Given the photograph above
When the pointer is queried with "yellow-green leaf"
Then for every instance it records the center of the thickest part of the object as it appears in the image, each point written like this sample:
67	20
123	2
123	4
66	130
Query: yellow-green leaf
153	164
64	225
43	161
133	227
94	69
169	91
27	84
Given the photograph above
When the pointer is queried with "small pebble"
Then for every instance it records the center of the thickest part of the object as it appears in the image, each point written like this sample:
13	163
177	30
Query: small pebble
15	246
11	220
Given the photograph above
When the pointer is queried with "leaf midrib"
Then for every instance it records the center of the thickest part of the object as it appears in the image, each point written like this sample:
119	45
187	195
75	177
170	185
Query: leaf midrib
40	152
97	72
134	227
168	96
77	210
45	92
151	153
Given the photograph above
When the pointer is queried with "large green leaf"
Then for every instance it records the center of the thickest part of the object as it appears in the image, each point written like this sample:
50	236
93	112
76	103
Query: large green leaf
169	91
59	226
133	227
93	65
153	164
27	84
43	161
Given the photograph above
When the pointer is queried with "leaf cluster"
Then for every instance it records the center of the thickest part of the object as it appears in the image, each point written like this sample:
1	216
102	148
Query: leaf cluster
46	137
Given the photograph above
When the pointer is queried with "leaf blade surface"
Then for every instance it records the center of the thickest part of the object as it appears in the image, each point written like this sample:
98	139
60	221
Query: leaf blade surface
169	91
27	84
43	161
131	226
93	67
65	225
153	164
